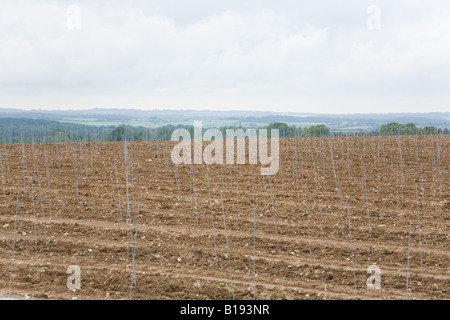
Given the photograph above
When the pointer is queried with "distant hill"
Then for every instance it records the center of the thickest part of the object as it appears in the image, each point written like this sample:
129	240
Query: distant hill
13	129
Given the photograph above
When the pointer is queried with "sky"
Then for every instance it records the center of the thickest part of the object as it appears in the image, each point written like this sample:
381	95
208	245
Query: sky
323	56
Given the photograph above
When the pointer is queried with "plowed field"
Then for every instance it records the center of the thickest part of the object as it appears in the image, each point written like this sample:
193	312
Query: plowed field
180	247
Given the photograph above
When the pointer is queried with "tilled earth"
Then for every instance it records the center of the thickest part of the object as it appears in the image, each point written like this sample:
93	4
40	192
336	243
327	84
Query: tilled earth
80	219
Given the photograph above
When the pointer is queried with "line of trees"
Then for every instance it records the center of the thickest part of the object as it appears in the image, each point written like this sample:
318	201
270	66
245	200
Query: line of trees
388	129
319	130
27	130
395	128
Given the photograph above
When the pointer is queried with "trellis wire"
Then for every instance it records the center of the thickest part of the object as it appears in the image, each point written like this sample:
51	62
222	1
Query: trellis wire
228	247
14	246
351	246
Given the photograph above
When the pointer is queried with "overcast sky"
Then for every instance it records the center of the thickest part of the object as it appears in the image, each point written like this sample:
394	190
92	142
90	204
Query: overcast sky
320	56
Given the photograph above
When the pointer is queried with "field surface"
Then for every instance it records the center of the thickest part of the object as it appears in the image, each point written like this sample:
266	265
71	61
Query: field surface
288	236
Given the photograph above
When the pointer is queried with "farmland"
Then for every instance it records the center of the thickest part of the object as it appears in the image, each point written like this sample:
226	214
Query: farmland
336	207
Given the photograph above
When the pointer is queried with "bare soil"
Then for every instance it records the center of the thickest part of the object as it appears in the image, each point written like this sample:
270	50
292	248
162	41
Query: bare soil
175	258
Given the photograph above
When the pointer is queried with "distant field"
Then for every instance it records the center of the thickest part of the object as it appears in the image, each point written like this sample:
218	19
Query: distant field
153	124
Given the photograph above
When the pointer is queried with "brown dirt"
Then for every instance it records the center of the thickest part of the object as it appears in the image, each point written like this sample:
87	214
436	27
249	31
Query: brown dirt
174	260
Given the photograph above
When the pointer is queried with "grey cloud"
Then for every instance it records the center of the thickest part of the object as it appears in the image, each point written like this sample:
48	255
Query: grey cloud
266	55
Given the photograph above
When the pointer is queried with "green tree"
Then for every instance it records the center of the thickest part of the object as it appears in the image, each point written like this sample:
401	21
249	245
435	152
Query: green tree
409	129
120	133
284	129
392	128
138	135
430	130
319	130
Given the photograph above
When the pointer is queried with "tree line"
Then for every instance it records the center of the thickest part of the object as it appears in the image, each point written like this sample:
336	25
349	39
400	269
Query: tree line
31	130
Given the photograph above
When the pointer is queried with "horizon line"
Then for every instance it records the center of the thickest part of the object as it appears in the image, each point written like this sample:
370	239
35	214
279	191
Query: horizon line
214	110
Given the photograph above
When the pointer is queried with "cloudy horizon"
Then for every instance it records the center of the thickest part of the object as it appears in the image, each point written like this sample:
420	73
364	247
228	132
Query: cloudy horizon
284	56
